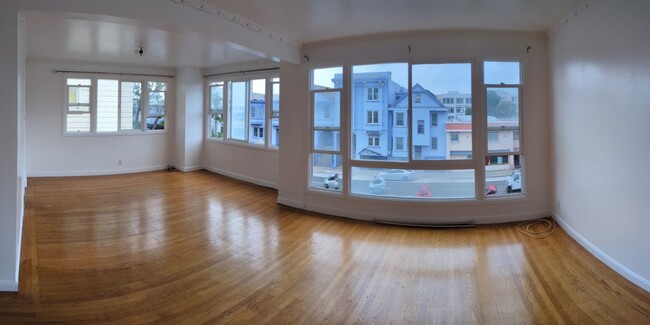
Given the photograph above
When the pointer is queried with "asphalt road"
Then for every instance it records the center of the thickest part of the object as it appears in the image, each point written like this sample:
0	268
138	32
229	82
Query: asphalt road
440	190
411	188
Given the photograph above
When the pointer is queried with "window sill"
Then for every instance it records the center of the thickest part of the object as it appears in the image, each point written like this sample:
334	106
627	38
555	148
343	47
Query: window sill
113	134
243	144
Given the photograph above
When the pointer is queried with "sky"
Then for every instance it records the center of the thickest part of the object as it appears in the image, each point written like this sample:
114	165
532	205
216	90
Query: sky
437	78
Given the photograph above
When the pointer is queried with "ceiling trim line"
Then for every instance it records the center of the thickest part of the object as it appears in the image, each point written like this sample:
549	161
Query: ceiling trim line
235	19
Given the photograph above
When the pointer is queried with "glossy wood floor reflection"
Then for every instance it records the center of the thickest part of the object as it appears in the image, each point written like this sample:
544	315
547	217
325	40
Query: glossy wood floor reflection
171	247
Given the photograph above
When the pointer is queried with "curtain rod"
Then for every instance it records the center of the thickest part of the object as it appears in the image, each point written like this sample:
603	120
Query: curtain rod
115	73
242	72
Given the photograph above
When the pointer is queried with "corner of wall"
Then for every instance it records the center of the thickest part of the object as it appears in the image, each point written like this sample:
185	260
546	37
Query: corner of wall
602	256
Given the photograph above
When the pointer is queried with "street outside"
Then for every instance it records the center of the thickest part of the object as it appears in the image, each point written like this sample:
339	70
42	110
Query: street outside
438	184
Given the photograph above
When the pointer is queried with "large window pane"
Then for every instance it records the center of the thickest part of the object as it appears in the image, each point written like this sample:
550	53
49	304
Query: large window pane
107	105
379	107
275	117
156	111
416	184
327	171
503	120
257	111
78	122
237	110
130	110
327	121
441	93
503	175
327	78
501	73
216	110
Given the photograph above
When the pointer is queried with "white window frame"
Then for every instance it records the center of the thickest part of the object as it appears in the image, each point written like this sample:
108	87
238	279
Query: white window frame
403	114
372	117
212	113
398	148
67	105
485	147
420	127
372	94
270	80
144	103
475	161
374	140
343	140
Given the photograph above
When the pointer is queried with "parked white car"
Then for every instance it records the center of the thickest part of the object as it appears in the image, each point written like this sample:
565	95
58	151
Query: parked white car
397	175
332	182
514	182
377	185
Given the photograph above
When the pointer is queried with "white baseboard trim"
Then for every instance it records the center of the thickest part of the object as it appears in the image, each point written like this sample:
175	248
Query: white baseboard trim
97	172
188	169
8	286
479	219
291	203
608	260
241	177
346	213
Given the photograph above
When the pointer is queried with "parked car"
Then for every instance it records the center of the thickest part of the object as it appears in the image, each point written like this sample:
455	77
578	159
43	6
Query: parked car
377	185
332	182
514	182
397	175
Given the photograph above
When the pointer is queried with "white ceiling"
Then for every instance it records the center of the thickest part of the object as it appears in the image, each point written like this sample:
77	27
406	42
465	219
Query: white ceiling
93	38
306	21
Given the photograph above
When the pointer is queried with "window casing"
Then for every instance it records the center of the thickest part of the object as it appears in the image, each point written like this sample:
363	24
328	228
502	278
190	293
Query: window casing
418	140
244	110
372	94
372	117
399	143
373	140
399	119
420	126
106	105
502	87
326	158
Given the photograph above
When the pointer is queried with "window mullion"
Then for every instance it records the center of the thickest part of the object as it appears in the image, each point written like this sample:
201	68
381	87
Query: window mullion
144	103
119	105
93	105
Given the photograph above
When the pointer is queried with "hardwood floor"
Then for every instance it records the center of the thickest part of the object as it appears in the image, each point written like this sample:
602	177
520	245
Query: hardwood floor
171	247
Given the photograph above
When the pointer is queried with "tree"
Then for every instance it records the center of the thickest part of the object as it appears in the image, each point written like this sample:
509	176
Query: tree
505	110
468	111
493	100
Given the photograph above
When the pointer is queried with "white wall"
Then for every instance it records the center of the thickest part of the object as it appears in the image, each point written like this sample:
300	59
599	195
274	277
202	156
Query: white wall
51	153
188	122
425	47
10	178
601	93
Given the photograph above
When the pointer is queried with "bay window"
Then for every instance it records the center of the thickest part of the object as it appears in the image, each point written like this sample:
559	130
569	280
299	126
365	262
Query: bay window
428	155
243	111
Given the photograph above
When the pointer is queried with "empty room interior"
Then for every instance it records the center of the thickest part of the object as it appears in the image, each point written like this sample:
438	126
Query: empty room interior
438	162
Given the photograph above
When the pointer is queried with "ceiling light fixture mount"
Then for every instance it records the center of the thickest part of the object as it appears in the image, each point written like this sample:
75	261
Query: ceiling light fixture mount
140	50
